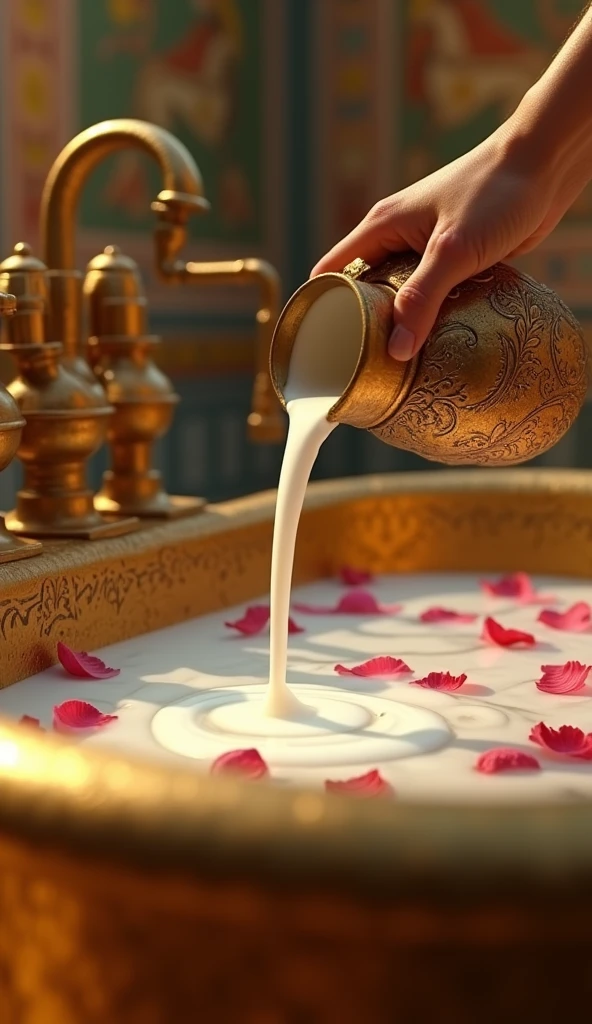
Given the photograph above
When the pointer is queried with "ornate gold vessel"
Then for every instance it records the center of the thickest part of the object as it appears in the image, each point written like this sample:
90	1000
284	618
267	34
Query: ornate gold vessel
11	427
143	399
501	378
134	892
65	419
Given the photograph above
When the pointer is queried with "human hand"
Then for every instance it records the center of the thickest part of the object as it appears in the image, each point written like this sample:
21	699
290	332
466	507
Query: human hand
497	201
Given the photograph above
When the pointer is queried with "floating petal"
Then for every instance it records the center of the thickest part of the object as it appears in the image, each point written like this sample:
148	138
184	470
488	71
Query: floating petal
576	619
440	681
353	577
247	763
517	585
504	759
83	665
73	715
358	602
255	620
568	678
567	739
438	615
383	667
370	784
494	633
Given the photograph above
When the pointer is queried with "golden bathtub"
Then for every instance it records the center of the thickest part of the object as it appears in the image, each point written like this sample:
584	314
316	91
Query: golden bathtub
139	893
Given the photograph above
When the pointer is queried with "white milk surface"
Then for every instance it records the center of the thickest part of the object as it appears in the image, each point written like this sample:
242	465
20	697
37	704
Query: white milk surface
424	742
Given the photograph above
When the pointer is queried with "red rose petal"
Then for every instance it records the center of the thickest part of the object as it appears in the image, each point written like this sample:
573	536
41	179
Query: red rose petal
247	763
83	665
446	615
353	577
567	678
33	723
383	667
567	739
575	620
255	620
494	633
358	602
72	715
517	585
370	784
504	759
440	681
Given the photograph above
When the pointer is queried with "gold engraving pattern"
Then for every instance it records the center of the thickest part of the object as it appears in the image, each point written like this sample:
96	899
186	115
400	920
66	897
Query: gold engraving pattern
501	378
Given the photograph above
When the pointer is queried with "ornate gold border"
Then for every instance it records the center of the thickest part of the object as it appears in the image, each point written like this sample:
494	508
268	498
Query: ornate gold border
93	594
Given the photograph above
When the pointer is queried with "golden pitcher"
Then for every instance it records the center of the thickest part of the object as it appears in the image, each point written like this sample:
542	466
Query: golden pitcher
500	379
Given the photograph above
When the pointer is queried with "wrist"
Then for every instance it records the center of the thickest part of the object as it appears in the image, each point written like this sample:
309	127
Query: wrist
539	139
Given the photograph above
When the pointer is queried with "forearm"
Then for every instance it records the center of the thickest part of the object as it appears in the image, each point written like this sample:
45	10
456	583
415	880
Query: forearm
554	120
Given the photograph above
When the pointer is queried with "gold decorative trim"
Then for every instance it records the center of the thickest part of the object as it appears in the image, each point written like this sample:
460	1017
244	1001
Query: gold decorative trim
92	595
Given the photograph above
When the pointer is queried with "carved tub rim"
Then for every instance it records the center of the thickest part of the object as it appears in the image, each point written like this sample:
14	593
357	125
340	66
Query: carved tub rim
154	817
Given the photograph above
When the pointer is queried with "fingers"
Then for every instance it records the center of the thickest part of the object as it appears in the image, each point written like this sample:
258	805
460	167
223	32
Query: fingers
445	263
372	240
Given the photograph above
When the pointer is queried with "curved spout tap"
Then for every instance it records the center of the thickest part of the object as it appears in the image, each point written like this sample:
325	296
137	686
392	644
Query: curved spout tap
182	194
266	421
183	185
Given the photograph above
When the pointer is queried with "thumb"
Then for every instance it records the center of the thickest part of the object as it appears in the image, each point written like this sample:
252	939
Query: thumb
443	265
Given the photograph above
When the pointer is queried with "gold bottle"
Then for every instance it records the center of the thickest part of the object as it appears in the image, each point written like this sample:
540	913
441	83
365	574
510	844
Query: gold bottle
66	419
11	428
121	351
500	379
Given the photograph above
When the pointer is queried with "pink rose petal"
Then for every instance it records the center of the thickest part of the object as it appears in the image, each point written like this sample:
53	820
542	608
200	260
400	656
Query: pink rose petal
440	681
32	723
494	633
575	620
370	784
72	715
517	585
446	615
567	739
83	665
567	678
247	763
255	620
357	602
353	577
383	667
504	759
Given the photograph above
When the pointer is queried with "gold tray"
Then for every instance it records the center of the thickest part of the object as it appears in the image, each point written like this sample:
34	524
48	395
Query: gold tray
132	892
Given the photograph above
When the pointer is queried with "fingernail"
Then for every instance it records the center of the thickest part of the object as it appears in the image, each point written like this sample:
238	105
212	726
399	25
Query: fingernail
401	343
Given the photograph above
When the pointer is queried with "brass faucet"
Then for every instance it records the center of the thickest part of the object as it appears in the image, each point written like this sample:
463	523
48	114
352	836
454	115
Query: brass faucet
266	422
181	196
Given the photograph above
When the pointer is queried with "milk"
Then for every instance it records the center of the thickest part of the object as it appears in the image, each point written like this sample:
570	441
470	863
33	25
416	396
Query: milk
324	357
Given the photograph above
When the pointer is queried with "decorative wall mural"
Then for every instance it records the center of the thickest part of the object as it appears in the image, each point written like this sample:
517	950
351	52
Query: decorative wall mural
468	63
